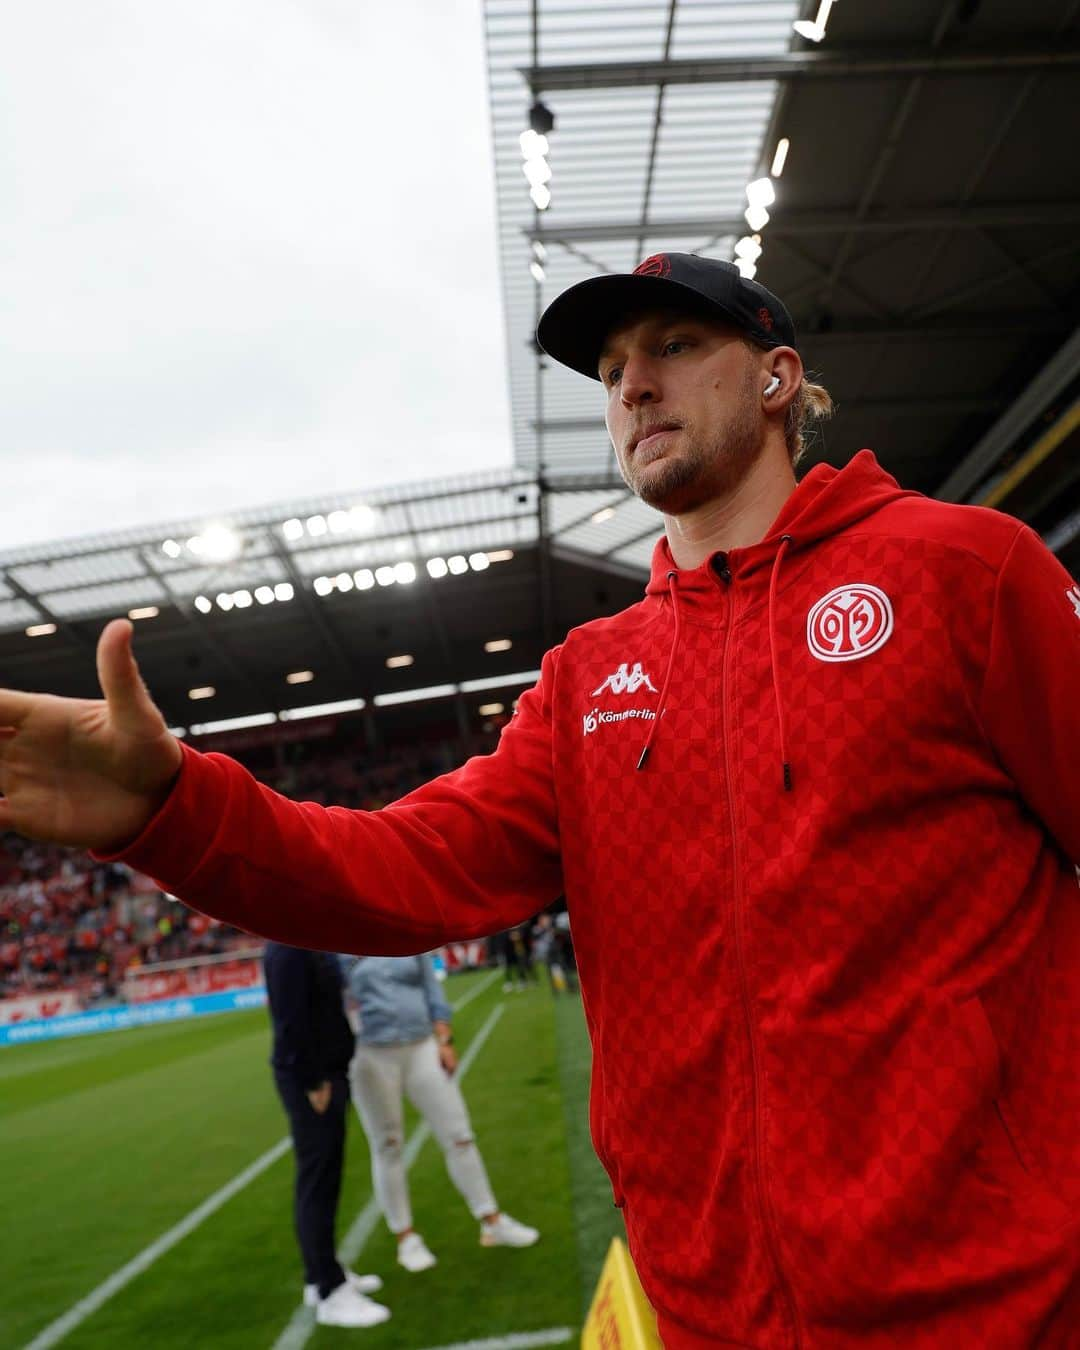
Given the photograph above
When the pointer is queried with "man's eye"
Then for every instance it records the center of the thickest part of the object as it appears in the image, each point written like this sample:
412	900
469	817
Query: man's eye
612	376
674	346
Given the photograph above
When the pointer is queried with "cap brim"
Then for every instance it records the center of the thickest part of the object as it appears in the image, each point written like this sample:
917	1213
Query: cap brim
575	326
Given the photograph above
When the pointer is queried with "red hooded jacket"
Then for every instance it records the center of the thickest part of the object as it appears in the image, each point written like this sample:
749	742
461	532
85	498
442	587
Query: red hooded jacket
828	930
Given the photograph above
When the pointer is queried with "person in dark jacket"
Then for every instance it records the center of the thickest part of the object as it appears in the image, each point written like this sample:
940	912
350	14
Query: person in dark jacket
312	1048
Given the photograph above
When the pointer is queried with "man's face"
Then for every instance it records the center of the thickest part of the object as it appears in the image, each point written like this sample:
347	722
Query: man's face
684	408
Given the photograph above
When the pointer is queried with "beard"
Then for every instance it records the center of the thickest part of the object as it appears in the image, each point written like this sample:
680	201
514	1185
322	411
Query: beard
708	464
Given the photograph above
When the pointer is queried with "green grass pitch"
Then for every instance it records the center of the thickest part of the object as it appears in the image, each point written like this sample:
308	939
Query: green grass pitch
110	1140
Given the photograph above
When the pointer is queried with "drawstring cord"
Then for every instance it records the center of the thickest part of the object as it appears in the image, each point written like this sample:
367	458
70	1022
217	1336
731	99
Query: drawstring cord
673	592
785	540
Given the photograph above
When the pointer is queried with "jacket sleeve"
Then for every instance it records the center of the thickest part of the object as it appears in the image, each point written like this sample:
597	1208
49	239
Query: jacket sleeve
437	1004
1030	703
463	856
288	989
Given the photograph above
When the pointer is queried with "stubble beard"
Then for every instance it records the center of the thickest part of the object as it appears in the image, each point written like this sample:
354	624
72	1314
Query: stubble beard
707	466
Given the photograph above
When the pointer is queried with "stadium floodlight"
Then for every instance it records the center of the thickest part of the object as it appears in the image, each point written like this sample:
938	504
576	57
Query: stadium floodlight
293	529
415	695
364	578
203	691
756	217
457	564
171	548
498	645
749	247
537	270
363	517
315	526
541	197
224	600
399	662
344	705
299	677
780	158
537	172
405	573
343	581
322	586
491	709
761	192
203	604
501	555
436	568
746	268
479	562
217	543
598	517
242	599
265	595
41	630
144	612
233	723
534	152
283	590
523	677
338	522
539	251
385	576
814	29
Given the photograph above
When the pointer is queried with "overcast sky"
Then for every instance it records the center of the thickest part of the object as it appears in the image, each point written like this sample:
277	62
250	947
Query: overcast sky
247	252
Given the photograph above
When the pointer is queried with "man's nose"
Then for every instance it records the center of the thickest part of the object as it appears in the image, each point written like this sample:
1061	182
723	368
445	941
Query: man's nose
640	382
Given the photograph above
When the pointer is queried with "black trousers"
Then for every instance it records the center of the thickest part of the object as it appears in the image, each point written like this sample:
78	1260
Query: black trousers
319	1148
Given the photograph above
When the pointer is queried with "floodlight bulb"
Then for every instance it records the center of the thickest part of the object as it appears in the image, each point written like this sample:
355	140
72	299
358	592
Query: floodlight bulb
761	192
316	525
293	529
541	197
809	29
385	576
203	604
224	600
322	586
264	595
171	548
746	268
338	521
756	217
363	517
436	568
283	590
748	248
344	581
533	145
537	171
457	564
364	578
479	562
537	271
539	251
219	543
242	599
780	158
405	573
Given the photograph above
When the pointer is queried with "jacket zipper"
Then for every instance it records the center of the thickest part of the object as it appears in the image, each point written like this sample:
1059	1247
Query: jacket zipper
764	1208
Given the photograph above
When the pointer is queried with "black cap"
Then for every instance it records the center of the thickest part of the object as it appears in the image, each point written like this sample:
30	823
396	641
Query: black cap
575	326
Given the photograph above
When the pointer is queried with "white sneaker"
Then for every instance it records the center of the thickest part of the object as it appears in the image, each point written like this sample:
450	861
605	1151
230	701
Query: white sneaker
345	1307
363	1284
507	1232
413	1253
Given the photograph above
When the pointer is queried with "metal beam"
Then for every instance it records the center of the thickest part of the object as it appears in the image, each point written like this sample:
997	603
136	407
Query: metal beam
882	220
836	63
1048	386
64	626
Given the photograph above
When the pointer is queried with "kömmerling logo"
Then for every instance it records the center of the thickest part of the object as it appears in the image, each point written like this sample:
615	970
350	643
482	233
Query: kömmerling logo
602	718
626	681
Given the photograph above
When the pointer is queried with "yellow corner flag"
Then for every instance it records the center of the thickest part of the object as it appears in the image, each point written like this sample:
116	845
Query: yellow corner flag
620	1317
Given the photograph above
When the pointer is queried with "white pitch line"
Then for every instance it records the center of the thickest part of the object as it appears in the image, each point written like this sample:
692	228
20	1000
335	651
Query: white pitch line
85	1307
302	1323
475	990
515	1340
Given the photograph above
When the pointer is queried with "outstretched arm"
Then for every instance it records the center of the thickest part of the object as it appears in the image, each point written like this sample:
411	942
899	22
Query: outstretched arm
467	854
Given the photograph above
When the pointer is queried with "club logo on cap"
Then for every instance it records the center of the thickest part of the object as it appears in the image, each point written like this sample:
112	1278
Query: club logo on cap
659	265
765	319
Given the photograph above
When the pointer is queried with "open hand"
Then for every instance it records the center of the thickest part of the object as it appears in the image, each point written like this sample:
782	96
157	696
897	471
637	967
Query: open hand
87	772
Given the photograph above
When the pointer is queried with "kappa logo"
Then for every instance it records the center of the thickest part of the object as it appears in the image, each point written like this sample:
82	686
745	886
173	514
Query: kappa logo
1074	597
626	681
849	623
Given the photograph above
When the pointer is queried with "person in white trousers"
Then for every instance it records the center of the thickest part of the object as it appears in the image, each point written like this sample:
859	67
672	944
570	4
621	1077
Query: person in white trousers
405	1048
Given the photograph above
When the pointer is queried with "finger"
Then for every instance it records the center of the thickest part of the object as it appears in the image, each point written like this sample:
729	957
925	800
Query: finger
14	706
118	675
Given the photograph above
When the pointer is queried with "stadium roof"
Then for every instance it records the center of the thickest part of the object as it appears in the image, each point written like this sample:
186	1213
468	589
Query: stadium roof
924	230
923	236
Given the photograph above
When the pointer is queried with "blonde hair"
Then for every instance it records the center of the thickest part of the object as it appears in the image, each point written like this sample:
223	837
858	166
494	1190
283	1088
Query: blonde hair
813	403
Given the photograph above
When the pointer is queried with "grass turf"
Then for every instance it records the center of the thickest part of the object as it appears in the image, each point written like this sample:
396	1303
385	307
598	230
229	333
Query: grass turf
110	1140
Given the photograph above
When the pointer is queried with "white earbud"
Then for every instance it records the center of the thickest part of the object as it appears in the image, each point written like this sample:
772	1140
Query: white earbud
772	386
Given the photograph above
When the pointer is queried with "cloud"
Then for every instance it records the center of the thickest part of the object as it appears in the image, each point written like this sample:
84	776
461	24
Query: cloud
250	254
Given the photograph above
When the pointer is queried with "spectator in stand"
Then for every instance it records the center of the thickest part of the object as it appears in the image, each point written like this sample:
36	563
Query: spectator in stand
405	1048
312	1048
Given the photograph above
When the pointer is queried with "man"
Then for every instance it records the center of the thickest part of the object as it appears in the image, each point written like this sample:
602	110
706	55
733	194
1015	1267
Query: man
313	1044
824	774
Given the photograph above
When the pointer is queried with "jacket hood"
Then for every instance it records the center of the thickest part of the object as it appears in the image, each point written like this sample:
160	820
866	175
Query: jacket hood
827	501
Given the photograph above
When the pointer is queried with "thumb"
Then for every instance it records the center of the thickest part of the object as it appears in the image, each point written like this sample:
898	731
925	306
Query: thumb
130	704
